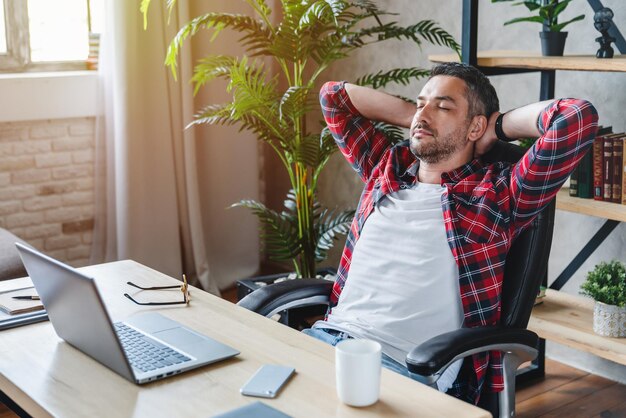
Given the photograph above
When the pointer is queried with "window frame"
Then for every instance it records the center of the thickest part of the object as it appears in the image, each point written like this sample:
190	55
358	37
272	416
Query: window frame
17	58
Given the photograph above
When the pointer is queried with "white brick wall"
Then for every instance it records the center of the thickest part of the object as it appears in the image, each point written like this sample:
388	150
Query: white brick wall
47	185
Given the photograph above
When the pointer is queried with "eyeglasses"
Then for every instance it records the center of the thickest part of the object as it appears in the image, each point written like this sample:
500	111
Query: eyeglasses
184	288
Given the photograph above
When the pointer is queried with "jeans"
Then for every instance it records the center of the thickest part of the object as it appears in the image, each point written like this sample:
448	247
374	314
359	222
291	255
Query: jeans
333	337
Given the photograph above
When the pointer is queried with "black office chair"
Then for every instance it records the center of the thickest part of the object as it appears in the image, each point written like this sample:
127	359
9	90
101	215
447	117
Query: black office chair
526	266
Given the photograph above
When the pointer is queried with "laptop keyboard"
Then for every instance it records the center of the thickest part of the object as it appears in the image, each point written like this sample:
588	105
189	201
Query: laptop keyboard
145	353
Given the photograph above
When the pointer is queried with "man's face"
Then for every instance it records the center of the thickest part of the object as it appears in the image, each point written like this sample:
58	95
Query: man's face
440	125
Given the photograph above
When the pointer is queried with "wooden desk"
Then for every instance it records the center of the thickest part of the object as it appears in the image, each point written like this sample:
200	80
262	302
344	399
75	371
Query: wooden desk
48	377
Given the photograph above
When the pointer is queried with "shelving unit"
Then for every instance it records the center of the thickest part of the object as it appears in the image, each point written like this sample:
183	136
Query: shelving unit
562	318
568	320
534	61
605	210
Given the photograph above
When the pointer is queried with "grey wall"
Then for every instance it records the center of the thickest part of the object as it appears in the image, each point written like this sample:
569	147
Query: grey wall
340	187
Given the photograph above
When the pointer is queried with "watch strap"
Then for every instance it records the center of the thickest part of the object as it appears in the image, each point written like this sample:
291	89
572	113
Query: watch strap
499	131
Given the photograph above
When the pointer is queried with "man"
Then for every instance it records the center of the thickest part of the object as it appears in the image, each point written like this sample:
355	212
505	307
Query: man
426	250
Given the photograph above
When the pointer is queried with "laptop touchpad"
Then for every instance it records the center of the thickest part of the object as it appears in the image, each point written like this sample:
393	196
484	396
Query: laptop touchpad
178	336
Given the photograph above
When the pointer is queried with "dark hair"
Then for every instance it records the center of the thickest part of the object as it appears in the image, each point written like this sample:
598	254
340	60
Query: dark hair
481	96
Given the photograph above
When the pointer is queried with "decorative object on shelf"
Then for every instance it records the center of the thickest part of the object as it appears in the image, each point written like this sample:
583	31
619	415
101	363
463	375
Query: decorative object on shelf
606	284
602	21
302	38
94	51
552	39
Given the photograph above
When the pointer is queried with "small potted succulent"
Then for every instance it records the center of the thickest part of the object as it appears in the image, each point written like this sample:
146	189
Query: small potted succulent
552	37
606	284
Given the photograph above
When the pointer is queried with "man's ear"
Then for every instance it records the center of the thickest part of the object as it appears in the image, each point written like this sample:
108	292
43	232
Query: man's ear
477	128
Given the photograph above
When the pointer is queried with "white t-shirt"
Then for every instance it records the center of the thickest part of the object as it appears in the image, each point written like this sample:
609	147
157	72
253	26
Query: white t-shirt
403	285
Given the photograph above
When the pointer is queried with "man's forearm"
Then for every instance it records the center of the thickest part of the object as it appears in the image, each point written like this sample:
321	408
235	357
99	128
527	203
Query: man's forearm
522	122
379	106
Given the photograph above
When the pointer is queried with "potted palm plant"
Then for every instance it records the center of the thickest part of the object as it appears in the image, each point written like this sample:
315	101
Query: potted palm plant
546	13
606	284
302	39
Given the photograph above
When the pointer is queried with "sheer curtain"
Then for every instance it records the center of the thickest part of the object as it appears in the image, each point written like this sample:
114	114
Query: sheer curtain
147	201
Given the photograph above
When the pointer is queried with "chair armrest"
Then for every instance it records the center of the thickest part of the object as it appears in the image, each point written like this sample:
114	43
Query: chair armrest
274	298
432	357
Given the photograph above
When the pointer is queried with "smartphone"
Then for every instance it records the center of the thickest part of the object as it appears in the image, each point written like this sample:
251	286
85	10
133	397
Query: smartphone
267	381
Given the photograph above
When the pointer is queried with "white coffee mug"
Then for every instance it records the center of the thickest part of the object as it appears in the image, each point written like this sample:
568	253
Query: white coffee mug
357	366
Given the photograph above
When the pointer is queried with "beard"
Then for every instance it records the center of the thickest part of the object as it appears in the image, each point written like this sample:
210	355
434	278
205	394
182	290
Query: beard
439	148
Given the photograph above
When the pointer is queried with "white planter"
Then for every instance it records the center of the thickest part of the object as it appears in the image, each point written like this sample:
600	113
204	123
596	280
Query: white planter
609	320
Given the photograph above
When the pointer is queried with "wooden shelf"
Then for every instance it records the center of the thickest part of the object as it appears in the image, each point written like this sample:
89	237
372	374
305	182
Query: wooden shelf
521	59
568	320
590	207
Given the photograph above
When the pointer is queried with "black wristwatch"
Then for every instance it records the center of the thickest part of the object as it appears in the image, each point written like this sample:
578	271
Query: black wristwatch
499	132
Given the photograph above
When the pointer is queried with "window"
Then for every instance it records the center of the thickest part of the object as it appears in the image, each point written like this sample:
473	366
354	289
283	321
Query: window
44	35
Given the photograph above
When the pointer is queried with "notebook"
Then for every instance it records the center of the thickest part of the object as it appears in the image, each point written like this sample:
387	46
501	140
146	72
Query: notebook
142	348
16	306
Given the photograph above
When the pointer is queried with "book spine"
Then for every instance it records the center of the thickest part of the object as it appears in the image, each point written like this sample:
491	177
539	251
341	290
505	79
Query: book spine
607	169
623	171
585	176
598	193
618	150
573	181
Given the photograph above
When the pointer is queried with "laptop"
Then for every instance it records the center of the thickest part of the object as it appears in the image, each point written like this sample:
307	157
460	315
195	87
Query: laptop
142	349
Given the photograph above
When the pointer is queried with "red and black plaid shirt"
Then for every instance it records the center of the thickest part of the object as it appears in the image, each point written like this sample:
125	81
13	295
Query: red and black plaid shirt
484	206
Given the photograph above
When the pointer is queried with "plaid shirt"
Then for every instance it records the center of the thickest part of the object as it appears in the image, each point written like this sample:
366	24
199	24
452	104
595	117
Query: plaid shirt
484	206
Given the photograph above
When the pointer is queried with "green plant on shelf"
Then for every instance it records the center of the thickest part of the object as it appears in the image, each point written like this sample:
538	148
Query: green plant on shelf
606	283
547	13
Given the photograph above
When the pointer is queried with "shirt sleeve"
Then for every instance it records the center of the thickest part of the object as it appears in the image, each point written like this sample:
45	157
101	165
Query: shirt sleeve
358	140
568	128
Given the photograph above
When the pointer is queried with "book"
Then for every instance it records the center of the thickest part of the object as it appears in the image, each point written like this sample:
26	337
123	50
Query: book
598	191
17	306
607	168
11	321
624	172
573	182
585	176
618	148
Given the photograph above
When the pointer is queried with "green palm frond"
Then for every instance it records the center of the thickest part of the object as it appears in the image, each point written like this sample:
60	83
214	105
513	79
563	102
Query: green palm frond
329	48
296	102
252	88
287	43
425	29
327	145
252	29
279	231
392	132
211	67
329	225
321	11
262	9
399	75
434	34
307	151
214	115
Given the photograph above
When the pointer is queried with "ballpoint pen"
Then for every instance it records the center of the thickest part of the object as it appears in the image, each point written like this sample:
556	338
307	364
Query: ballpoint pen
26	297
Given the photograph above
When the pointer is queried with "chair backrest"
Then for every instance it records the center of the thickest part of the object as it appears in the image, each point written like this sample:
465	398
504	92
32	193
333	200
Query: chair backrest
527	261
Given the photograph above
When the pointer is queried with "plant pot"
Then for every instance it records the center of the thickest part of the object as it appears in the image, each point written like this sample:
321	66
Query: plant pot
552	43
609	320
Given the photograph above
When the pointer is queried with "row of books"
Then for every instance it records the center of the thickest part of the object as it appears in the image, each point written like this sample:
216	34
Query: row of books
600	174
